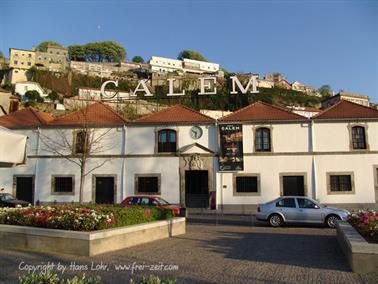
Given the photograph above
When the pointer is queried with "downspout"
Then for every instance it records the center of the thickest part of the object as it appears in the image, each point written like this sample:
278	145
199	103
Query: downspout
36	165
313	160
123	171
220	175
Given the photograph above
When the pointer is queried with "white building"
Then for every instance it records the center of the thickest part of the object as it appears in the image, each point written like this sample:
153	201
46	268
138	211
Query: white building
175	154
22	87
164	65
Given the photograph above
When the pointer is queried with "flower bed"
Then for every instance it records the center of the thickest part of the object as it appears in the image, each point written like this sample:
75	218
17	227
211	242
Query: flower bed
81	218
366	223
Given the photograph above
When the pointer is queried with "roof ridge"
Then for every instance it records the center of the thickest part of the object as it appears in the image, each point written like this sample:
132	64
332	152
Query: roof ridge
343	102
195	111
114	112
239	110
34	112
283	109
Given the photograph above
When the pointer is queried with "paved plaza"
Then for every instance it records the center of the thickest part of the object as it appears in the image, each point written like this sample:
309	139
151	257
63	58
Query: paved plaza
228	250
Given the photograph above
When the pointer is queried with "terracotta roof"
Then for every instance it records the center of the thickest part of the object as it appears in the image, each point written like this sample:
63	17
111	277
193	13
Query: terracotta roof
97	114
176	114
3	91
347	110
260	111
25	118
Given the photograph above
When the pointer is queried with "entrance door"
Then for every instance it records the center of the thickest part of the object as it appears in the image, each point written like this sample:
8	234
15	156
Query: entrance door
197	189
104	190
25	188
293	185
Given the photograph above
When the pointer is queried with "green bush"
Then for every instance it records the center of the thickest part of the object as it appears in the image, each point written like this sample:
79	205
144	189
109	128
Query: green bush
152	279
50	278
82	217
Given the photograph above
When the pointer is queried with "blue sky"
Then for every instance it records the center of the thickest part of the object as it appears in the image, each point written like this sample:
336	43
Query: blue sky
314	42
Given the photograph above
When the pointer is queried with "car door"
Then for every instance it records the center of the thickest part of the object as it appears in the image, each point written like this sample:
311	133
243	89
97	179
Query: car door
309	212
287	207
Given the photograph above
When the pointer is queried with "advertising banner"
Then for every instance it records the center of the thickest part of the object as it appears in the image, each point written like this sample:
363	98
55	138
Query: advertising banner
231	147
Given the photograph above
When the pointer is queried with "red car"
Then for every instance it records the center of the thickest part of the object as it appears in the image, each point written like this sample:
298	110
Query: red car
150	201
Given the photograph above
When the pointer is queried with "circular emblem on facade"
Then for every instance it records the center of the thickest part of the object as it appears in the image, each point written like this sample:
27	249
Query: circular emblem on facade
196	132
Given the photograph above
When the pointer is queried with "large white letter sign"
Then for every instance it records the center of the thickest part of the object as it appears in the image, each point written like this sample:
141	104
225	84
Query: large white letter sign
142	87
205	83
252	81
171	91
103	86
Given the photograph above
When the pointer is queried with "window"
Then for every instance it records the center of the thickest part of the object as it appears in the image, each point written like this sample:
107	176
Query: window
147	184
62	185
166	141
262	140
286	202
340	183
246	184
306	203
358	137
15	62
29	63
81	142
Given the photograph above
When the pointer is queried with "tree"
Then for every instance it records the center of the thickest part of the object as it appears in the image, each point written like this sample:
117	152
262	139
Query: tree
45	44
137	59
1	54
87	142
191	54
325	91
76	52
53	96
104	51
33	96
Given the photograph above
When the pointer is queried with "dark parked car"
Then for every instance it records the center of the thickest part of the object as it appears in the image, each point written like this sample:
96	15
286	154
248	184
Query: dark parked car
151	201
299	209
8	200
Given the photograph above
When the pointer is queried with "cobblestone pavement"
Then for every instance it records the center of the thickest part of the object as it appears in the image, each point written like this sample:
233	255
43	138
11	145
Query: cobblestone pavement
211	253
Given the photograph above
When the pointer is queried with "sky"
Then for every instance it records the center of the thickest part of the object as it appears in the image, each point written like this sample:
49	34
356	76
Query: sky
332	42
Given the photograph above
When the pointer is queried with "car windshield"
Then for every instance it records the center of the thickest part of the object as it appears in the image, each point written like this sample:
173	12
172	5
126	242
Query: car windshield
162	201
7	197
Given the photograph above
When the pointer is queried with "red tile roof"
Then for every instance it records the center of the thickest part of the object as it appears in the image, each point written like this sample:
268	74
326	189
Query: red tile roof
25	118
176	114
97	114
260	111
347	110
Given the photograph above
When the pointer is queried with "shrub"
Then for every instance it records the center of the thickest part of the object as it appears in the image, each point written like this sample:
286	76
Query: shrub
81	217
152	279
366	223
50	278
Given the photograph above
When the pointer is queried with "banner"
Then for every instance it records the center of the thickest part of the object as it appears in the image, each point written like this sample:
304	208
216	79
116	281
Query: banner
231	147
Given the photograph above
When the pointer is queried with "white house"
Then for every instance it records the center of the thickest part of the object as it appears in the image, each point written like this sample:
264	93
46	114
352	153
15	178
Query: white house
248	157
163	65
22	87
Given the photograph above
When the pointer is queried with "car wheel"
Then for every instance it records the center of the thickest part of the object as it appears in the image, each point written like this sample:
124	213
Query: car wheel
331	221
275	220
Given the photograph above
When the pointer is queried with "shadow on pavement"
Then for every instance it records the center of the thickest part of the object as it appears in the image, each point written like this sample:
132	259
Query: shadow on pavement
310	251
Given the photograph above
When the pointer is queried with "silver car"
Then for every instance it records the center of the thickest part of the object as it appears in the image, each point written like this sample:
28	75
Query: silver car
299	209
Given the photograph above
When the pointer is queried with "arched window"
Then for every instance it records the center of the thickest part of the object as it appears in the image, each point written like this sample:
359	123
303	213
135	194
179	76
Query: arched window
262	140
166	141
358	137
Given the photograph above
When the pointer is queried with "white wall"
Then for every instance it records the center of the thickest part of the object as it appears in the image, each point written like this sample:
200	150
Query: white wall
269	168
284	137
362	168
141	140
22	88
334	136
